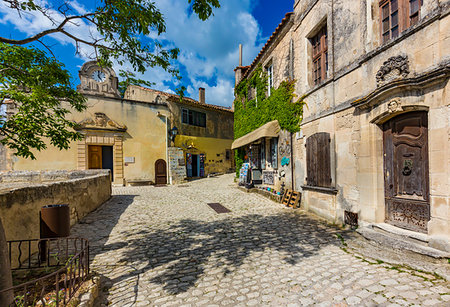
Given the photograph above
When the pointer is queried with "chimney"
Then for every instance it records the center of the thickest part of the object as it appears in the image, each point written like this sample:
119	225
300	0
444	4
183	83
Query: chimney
240	55
201	95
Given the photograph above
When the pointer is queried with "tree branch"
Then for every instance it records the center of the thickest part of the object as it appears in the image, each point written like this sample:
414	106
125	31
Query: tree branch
45	32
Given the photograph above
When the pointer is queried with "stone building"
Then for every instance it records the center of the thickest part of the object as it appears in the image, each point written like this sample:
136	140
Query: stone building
142	138
375	137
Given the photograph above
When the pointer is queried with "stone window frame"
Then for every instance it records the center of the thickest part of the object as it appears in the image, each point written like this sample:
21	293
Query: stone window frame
318	42
402	13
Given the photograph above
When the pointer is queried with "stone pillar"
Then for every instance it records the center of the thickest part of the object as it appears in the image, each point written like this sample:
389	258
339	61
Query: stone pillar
118	160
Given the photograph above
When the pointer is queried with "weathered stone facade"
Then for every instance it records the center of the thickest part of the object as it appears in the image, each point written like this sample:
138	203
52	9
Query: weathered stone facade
368	84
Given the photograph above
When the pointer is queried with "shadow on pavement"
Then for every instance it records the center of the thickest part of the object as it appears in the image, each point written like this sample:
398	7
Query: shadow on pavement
191	247
97	226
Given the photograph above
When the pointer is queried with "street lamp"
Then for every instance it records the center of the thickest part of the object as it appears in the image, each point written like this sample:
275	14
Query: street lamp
173	133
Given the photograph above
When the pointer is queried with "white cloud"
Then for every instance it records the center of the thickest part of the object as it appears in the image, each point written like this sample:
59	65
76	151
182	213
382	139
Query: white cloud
34	22
209	49
219	94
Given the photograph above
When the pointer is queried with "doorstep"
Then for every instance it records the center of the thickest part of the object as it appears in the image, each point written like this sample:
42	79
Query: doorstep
399	238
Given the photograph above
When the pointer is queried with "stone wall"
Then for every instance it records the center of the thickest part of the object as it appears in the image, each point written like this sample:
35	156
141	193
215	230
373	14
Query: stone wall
22	194
177	166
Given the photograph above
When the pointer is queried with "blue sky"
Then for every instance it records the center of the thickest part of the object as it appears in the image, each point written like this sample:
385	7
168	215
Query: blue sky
209	50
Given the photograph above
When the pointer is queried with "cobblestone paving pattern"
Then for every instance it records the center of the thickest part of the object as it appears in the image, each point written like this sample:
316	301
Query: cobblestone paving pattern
163	246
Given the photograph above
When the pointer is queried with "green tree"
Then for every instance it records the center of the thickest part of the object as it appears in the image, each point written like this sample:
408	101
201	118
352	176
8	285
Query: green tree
39	86
37	83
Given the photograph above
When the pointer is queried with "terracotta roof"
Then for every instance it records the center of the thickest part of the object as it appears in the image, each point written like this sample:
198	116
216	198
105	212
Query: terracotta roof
242	67
187	100
283	22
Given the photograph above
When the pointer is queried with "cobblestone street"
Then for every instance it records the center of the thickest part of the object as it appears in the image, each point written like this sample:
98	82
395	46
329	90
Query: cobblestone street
164	246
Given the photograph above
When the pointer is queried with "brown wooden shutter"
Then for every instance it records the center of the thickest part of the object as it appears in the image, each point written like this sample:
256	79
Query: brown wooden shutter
318	160
310	165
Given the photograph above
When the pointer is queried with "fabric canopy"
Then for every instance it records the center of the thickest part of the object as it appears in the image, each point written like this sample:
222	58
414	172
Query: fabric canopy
271	129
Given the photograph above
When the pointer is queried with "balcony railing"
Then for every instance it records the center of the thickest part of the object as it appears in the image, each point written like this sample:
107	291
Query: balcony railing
56	267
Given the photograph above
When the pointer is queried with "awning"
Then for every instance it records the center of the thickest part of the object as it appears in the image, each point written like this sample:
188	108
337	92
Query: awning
271	130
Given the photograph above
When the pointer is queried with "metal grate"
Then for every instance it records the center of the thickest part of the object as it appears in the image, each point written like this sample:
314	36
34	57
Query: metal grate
218	208
351	218
68	256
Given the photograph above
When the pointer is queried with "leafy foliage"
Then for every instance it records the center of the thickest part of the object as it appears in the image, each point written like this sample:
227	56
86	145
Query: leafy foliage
129	78
40	87
280	105
250	114
123	29
37	85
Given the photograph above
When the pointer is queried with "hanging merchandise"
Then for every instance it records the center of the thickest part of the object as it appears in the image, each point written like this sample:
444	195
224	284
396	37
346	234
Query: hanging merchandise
189	164
202	165
244	172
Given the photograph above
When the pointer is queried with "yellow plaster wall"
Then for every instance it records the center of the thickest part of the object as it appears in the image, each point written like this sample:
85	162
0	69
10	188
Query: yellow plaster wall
145	138
213	148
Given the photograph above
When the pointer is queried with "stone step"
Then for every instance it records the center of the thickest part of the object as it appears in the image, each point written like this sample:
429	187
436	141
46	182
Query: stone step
400	239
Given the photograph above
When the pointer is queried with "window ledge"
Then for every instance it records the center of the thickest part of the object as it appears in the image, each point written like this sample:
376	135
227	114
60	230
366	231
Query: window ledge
320	189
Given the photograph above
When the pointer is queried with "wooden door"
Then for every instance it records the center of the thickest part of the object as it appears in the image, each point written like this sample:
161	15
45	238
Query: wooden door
161	172
94	157
406	171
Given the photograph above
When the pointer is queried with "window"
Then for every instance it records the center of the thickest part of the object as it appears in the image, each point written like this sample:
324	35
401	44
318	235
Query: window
269	71
319	44
318	160
193	118
273	157
414	11
389	20
263	154
397	16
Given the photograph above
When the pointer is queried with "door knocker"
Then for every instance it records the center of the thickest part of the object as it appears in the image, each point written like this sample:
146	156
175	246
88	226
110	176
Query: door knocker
407	167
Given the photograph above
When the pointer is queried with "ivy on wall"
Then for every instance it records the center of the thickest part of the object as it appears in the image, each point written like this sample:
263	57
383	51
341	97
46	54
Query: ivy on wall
252	108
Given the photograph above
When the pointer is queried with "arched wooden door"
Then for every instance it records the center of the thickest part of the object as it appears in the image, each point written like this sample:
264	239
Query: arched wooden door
406	171
161	172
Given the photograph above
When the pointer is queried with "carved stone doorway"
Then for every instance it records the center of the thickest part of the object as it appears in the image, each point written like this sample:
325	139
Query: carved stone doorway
407	199
102	146
160	172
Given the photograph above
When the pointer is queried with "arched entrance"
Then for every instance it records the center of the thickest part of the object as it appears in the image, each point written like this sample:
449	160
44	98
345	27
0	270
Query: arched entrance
405	142
160	172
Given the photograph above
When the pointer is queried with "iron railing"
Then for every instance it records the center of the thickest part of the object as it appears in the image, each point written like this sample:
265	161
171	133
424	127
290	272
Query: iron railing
70	258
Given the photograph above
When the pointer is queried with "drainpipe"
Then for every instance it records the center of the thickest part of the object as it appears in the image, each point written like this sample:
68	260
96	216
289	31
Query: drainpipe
292	164
334	89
